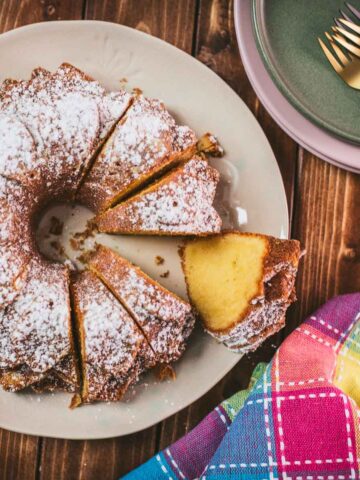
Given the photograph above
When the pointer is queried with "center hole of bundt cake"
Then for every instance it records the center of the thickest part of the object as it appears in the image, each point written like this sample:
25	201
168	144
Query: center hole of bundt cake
65	233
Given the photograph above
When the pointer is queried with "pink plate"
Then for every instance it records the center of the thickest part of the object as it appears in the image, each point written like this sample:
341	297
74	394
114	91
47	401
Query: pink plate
317	141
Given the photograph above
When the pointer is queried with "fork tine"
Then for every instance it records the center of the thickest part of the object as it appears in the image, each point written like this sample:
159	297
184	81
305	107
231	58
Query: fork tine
347	45
344	15
351	25
342	57
332	60
354	38
353	10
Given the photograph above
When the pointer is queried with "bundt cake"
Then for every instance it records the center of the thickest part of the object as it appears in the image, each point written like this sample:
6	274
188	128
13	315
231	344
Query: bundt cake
52	128
241	284
180	203
35	329
165	319
113	349
145	142
63	137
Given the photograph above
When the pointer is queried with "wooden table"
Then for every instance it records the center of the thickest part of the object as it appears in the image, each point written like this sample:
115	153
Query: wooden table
324	206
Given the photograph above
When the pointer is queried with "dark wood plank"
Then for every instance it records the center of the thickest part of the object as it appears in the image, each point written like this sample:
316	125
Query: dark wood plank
18	456
98	459
166	19
19	453
16	13
327	222
173	22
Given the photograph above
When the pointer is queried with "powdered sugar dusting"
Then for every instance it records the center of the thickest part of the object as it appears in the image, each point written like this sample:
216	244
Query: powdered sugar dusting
145	140
66	114
15	207
14	259
180	204
17	147
165	319
111	337
35	327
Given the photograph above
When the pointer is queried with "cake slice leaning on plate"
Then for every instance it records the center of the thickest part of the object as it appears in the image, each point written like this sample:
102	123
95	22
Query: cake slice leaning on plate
180	203
241	284
145	142
114	351
165	319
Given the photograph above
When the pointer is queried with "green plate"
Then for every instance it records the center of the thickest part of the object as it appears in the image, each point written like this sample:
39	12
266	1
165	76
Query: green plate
286	34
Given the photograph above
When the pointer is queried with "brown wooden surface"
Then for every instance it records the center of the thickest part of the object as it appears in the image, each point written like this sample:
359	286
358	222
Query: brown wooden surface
324	206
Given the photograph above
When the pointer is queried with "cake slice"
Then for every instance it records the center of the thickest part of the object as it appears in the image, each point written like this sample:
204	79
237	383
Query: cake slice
16	243
165	319
113	350
18	156
180	203
241	284
145	142
16	209
35	329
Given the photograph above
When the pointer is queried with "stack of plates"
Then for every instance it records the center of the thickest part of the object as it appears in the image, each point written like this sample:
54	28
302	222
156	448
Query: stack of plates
294	81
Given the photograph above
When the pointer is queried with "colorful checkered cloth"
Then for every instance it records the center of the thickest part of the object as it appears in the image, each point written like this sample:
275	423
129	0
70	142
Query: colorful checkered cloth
298	420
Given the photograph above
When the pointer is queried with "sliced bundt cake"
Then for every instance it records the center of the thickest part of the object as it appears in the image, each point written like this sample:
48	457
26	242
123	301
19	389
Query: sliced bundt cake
146	141
114	351
241	284
165	319
180	203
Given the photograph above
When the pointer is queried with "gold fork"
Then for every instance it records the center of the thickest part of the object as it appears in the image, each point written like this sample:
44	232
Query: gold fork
347	66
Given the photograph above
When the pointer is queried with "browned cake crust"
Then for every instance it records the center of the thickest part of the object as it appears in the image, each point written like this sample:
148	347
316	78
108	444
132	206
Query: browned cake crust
265	314
164	318
64	377
113	350
145	142
180	203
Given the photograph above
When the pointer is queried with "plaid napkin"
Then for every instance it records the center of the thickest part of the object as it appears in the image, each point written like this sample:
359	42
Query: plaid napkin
299	419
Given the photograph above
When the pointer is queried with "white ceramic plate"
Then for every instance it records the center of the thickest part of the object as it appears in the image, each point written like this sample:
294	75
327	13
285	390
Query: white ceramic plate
251	196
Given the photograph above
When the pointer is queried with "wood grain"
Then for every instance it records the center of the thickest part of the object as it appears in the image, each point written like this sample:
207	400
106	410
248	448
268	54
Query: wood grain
16	13
99	459
166	19
18	456
327	222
